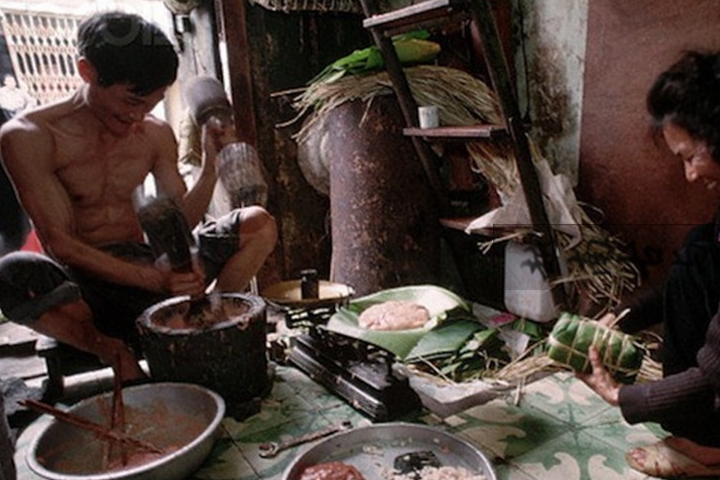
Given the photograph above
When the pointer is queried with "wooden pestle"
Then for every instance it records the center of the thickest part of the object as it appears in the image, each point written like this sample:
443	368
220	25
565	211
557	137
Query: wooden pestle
167	231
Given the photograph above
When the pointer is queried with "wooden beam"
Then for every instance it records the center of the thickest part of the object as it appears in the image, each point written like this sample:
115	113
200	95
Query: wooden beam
504	88
232	28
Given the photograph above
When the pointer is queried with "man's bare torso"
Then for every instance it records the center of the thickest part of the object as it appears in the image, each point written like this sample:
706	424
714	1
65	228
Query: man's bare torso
98	171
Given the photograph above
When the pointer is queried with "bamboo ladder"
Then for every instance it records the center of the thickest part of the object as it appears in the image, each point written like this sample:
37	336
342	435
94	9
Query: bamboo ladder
428	13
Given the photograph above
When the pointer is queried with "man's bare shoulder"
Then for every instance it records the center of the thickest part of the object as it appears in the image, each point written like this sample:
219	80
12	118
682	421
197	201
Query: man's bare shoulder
156	126
22	136
32	125
159	133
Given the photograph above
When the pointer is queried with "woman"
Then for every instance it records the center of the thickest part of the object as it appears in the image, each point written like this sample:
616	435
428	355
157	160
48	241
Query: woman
684	103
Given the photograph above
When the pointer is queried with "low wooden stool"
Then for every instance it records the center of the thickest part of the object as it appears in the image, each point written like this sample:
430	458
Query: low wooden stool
61	361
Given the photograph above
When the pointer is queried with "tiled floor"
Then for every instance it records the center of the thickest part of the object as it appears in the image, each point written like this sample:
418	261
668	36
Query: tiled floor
559	430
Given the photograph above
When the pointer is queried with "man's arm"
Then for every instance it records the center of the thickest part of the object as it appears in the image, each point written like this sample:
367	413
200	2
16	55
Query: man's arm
27	153
195	201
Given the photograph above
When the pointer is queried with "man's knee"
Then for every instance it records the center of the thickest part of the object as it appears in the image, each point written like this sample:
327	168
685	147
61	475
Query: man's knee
31	284
259	227
267	228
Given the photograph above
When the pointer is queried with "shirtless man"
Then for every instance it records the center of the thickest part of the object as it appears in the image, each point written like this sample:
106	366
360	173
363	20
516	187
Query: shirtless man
76	165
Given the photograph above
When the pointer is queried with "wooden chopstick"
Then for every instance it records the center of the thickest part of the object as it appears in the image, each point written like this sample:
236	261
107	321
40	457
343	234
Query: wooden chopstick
117	416
85	424
118	409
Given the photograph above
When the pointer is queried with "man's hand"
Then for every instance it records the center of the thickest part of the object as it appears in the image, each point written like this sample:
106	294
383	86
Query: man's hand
600	379
192	283
215	135
182	283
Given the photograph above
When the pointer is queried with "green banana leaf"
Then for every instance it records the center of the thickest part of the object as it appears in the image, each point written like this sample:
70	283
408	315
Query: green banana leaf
532	329
482	355
443	341
370	59
441	304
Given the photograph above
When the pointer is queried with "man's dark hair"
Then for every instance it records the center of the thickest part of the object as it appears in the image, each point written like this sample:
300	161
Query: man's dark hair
688	95
124	48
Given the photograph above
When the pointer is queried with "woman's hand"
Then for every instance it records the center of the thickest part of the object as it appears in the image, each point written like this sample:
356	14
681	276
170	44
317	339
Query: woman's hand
607	320
600	379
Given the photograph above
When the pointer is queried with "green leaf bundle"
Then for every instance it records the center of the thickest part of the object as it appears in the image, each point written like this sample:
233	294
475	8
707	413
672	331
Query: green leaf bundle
572	336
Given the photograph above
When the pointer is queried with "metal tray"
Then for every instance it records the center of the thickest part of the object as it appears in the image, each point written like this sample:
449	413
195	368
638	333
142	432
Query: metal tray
288	294
372	450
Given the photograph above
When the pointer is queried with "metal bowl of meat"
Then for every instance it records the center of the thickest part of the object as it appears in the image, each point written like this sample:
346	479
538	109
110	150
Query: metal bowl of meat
394	450
180	421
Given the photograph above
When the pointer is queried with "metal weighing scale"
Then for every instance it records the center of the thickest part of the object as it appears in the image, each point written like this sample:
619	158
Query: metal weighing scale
360	373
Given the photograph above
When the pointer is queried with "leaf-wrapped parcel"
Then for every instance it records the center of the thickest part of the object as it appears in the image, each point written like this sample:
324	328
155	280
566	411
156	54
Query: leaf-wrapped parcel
573	335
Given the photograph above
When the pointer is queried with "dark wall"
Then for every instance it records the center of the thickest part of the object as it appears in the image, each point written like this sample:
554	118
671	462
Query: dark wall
287	50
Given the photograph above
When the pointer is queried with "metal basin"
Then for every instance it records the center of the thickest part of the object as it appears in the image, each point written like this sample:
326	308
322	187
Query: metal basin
181	419
373	448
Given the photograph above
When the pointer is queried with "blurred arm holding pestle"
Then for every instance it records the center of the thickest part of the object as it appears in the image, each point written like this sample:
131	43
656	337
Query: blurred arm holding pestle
240	173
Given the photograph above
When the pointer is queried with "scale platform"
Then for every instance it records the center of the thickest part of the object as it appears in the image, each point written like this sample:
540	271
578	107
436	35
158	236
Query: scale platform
360	373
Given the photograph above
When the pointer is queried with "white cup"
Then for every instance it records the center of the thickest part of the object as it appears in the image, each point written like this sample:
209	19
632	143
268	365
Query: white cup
428	116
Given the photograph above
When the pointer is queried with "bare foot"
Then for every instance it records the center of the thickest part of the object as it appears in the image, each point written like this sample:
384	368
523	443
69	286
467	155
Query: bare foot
699	453
130	370
671	458
122	360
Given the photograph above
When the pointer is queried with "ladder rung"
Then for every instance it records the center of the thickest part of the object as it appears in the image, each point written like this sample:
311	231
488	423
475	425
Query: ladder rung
423	14
457	132
460	223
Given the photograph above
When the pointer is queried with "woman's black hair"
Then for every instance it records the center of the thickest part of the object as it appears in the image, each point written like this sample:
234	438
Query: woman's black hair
125	48
688	95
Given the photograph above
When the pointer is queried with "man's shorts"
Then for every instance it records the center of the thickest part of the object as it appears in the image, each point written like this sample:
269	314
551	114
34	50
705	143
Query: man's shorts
31	283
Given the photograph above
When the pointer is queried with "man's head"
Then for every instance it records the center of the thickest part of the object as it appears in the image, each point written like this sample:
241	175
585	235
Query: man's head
124	48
